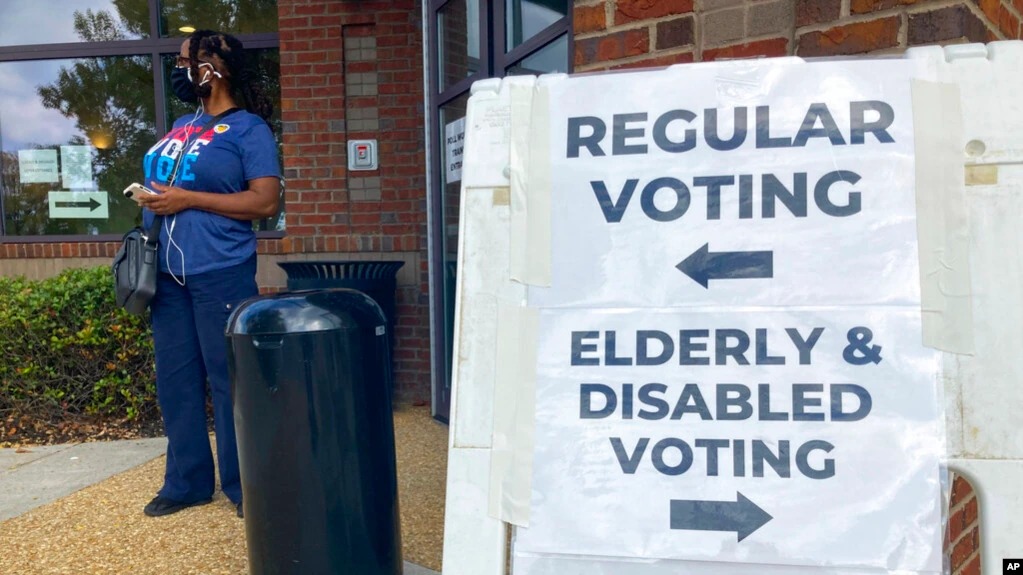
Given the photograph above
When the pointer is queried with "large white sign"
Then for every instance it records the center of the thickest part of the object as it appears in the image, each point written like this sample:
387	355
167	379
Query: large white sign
730	364
37	166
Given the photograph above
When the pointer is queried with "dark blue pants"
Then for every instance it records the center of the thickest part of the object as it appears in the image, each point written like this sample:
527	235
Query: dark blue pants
188	337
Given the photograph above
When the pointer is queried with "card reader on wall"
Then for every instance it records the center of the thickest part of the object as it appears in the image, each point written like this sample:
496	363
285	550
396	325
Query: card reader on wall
362	155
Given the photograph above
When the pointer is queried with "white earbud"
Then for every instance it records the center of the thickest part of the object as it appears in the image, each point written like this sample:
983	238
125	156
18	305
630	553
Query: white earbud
206	75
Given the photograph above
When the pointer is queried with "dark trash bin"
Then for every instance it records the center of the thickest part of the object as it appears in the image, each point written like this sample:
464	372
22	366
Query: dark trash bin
315	434
377	279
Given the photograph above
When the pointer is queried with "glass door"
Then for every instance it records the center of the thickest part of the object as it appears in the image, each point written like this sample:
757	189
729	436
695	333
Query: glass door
472	40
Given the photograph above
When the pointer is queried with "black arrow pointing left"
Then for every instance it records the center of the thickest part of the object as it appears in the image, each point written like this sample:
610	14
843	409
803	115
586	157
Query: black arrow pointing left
92	204
704	265
742	515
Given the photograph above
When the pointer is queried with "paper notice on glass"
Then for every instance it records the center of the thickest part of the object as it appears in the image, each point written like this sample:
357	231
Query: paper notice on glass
37	166
79	205
454	149
76	163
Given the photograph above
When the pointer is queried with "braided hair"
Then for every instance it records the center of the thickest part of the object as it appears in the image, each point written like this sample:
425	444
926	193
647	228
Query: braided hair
239	74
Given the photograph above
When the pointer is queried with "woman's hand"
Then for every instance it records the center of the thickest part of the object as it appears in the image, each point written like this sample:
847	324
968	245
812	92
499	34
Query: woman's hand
169	201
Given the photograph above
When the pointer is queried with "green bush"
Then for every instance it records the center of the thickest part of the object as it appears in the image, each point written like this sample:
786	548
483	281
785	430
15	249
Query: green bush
66	349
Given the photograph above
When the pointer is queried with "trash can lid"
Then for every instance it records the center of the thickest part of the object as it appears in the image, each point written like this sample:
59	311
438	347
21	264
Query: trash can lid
303	312
341	269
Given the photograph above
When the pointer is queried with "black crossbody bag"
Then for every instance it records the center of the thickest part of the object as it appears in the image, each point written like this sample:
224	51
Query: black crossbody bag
135	265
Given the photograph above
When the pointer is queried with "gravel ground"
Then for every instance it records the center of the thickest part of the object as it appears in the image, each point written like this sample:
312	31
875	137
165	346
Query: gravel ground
101	530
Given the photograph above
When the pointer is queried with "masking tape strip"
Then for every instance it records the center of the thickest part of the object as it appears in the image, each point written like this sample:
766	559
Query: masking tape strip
521	107
511	459
943	230
539	191
502	197
530	186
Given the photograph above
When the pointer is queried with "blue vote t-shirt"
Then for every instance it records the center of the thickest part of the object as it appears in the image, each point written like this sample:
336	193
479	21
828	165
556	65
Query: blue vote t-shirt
238	148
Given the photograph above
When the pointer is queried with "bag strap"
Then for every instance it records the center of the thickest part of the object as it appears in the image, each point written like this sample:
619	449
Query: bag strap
153	231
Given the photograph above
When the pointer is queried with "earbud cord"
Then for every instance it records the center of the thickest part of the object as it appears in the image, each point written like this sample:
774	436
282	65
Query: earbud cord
174	218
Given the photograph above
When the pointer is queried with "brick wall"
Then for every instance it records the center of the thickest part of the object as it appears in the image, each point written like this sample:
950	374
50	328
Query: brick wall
615	34
353	70
962	538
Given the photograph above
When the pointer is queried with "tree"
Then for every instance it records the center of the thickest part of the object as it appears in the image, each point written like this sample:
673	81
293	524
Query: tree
233	16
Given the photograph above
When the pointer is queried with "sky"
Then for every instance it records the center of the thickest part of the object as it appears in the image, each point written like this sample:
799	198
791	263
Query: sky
41	22
24	121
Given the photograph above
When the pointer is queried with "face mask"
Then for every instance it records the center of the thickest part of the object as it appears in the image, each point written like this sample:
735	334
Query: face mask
181	84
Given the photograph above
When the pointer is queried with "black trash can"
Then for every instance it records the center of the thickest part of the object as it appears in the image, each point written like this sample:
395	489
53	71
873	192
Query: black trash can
376	279
315	434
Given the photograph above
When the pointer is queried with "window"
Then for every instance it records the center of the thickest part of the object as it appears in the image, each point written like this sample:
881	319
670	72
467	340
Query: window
525	19
70	140
458	42
550	58
28	22
237	17
83	97
472	40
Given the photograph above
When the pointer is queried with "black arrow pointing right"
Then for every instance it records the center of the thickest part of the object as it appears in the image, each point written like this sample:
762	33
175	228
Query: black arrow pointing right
92	204
742	516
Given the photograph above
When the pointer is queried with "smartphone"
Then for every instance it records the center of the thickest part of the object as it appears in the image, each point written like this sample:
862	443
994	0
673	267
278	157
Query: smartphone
134	190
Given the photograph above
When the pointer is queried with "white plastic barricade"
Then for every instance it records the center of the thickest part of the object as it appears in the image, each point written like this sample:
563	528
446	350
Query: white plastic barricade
739	317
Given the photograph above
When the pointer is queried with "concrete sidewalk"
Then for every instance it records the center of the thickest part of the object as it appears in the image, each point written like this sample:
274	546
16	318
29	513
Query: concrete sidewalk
35	476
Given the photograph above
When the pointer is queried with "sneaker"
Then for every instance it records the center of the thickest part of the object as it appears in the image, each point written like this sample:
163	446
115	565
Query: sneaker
241	513
163	506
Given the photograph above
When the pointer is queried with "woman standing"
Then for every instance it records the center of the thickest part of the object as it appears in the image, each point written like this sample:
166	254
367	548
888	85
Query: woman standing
215	171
